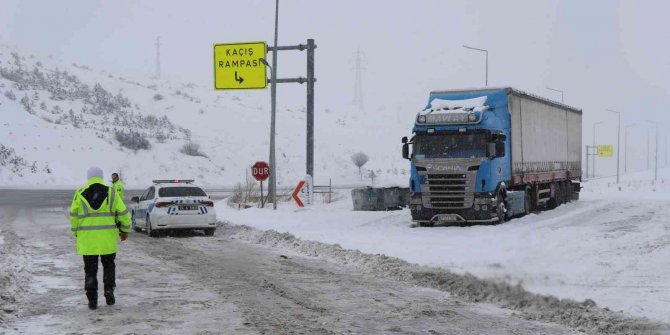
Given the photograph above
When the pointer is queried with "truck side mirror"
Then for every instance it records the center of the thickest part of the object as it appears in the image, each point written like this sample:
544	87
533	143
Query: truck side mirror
404	139
135	199
405	150
491	150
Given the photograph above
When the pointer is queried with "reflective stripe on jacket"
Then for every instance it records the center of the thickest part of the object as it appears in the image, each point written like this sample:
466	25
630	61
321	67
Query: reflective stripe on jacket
97	230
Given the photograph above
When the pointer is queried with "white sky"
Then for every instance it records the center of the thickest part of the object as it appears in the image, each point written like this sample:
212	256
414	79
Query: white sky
604	54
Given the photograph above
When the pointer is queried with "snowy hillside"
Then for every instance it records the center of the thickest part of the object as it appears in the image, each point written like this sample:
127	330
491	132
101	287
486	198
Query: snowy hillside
58	118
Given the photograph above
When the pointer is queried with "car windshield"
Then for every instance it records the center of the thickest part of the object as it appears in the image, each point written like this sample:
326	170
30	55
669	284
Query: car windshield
181	191
450	145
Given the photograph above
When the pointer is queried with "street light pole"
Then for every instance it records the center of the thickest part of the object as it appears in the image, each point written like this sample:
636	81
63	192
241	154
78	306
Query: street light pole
655	126
273	87
487	61
555	90
625	152
593	175
618	142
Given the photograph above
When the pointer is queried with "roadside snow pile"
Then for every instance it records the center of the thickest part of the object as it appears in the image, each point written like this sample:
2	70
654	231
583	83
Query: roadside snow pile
584	316
13	277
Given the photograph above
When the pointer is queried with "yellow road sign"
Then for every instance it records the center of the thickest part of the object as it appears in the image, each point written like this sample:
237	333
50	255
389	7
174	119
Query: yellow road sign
605	151
237	66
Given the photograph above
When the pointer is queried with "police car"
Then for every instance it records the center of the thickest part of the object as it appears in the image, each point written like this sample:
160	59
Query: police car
170	205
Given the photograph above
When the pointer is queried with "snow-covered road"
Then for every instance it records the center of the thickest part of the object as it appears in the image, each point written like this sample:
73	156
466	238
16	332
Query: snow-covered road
611	246
191	284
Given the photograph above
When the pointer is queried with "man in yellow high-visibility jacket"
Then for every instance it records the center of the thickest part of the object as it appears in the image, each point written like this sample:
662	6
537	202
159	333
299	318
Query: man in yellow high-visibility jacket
117	184
98	217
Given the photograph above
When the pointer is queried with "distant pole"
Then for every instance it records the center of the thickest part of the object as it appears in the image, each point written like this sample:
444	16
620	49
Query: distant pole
158	57
273	88
625	156
655	126
648	149
666	149
487	61
618	142
555	90
656	157
595	148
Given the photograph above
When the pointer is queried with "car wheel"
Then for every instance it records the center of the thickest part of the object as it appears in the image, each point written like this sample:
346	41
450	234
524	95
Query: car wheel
133	223
210	231
150	231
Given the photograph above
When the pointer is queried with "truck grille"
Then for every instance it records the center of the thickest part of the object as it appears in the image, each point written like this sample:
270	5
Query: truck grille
453	190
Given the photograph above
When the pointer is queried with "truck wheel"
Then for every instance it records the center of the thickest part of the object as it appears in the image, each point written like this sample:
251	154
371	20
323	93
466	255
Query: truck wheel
528	201
552	202
560	196
209	231
569	191
501	210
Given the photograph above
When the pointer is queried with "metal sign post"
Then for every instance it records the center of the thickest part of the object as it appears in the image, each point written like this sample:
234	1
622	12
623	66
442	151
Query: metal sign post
261	171
310	80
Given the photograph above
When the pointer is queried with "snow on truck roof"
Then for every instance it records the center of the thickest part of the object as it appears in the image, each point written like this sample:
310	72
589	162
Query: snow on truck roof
512	91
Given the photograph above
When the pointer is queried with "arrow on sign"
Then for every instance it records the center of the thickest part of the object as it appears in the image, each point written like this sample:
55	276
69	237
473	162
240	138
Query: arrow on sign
239	79
296	191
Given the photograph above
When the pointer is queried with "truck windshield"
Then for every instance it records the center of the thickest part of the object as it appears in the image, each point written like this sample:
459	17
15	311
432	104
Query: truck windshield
451	145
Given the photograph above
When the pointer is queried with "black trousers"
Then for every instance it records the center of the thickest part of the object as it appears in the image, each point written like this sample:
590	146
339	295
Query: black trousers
108	272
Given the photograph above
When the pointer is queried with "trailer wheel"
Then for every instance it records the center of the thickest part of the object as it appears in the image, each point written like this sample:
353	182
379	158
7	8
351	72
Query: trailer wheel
569	191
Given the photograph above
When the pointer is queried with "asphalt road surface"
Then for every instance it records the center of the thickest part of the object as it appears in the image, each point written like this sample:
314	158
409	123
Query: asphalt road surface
193	284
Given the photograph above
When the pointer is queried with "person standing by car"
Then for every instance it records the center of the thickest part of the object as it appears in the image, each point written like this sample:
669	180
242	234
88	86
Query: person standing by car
118	185
98	217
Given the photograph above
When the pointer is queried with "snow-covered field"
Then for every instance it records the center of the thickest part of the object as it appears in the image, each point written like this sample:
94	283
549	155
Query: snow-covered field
231	128
611	246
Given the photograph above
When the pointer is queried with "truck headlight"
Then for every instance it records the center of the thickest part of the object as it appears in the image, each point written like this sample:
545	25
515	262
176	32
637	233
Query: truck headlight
422	119
472	117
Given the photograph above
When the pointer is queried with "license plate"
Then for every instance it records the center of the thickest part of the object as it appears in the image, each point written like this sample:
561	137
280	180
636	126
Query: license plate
187	208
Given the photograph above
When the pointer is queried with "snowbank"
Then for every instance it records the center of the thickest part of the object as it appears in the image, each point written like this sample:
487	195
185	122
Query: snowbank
585	316
13	277
611	246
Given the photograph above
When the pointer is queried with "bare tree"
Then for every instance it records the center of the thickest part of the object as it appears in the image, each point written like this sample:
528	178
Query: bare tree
359	160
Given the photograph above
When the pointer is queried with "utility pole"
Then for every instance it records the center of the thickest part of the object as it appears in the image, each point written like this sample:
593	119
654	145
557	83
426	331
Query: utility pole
625	156
655	126
358	81
666	148
618	142
158	57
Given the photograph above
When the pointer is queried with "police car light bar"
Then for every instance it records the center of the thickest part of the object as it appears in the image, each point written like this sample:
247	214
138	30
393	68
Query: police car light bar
164	181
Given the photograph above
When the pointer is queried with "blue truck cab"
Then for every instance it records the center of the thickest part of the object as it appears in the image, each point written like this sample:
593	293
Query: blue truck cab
461	160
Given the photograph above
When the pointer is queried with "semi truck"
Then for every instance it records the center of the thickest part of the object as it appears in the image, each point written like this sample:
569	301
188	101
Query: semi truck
487	155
